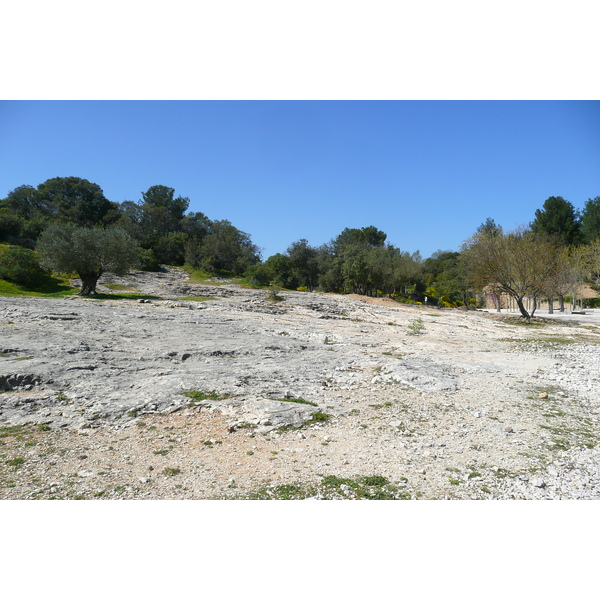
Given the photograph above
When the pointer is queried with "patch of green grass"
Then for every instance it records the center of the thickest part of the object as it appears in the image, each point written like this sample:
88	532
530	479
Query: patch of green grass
374	480
171	471
287	491
502	473
199	396
568	437
198	276
370	487
522	322
549	341
317	417
50	287
117	286
12	431
398	356
197	298
17	462
374	487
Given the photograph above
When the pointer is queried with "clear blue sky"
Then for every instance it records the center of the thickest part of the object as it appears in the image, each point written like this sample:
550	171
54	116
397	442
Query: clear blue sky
425	172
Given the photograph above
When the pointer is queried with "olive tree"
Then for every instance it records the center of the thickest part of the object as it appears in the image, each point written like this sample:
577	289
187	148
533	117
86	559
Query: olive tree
87	252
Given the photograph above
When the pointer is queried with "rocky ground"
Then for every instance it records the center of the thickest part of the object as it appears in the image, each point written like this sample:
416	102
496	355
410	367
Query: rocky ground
216	391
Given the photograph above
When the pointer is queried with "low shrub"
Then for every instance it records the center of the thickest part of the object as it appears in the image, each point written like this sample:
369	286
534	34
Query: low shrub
415	326
21	266
258	275
146	261
591	303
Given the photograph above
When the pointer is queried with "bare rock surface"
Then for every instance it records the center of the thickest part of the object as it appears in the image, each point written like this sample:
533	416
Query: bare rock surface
239	396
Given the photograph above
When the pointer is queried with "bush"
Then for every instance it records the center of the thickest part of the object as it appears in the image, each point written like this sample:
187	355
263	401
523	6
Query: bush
21	266
258	275
447	302
416	326
146	261
591	303
10	226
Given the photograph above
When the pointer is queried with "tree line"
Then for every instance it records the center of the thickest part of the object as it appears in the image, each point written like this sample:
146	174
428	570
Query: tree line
550	259
73	227
157	223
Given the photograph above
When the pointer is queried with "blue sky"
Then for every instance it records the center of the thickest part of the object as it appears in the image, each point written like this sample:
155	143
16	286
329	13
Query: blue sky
425	172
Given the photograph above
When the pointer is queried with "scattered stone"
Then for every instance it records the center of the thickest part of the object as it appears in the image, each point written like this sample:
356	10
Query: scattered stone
82	376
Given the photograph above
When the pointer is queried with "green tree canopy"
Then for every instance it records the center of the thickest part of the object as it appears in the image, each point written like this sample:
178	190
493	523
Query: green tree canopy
74	200
558	218
229	249
25	202
87	252
161	211
489	227
590	219
304	265
445	272
280	266
368	236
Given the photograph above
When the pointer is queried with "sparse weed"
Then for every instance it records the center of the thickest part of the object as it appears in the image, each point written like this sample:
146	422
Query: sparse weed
199	396
273	296
416	326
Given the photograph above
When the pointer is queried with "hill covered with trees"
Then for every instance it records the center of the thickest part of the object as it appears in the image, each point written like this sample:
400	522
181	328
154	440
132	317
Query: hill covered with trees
550	258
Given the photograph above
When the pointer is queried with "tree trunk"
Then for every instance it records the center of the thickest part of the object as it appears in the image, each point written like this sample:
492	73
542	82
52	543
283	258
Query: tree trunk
497	302
550	305
88	283
534	306
562	303
522	308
